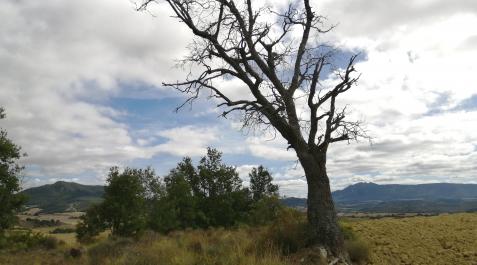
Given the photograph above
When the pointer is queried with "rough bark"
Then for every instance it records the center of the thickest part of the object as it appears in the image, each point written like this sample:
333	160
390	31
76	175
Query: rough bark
322	218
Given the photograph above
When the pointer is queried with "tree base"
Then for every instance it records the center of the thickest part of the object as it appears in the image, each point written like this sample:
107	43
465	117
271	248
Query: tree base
319	256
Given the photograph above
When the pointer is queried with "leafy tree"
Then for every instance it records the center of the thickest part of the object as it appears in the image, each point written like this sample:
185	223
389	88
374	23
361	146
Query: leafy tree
261	184
180	195
210	194
276	55
125	207
124	202
163	216
215	177
265	211
266	204
187	169
221	196
10	200
91	223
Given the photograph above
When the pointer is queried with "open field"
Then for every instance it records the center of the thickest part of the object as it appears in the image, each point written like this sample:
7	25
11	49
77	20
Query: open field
436	240
443	239
67	220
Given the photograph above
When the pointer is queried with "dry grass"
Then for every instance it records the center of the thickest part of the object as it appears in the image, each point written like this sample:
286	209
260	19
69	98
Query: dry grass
445	239
217	246
69	218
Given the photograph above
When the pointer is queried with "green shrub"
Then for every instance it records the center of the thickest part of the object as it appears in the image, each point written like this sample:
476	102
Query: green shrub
25	240
91	224
347	232
265	211
35	222
358	250
289	232
62	230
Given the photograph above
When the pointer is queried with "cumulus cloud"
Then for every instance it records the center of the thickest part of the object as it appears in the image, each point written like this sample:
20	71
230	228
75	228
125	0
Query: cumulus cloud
415	95
187	141
60	60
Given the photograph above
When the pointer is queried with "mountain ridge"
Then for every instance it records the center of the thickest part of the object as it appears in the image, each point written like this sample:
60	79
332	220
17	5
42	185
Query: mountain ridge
362	197
401	198
63	196
368	191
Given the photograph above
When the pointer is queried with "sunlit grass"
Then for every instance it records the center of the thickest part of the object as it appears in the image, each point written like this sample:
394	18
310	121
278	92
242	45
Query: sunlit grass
445	239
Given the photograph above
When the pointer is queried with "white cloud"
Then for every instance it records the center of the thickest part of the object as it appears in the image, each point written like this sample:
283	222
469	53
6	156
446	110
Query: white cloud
187	141
271	147
61	60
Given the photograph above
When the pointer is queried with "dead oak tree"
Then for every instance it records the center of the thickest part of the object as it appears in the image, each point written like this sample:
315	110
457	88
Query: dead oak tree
276	56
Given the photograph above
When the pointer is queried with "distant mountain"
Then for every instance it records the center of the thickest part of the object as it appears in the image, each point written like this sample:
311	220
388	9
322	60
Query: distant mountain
361	197
395	198
373	192
294	202
63	196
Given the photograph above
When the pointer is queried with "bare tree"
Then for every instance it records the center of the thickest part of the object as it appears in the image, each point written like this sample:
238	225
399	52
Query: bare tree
277	57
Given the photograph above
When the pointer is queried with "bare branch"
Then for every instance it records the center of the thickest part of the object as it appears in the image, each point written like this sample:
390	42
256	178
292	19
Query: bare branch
234	43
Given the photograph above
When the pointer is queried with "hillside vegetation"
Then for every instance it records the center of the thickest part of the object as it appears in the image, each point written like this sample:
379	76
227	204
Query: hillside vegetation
63	196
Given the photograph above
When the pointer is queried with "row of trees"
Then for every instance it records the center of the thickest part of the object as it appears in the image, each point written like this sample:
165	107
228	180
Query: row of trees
207	195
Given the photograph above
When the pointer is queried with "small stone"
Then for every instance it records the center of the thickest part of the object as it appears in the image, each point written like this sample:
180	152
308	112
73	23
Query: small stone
323	253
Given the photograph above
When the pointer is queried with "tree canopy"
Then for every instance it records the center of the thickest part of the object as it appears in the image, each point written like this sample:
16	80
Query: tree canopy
207	195
10	200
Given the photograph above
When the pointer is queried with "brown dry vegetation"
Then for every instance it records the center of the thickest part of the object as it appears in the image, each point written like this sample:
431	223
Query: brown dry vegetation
444	239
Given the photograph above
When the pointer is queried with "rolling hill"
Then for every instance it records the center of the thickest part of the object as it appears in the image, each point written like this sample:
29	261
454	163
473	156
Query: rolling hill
63	196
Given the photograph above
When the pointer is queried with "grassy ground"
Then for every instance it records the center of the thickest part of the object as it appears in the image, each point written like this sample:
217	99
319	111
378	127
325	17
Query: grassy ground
444	239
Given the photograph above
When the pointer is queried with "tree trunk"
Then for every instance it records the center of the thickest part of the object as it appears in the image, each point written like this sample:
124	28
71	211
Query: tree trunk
322	218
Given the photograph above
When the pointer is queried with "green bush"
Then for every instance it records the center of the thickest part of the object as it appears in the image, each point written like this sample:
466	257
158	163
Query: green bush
347	232
91	224
265	211
25	240
62	230
35	222
289	232
358	250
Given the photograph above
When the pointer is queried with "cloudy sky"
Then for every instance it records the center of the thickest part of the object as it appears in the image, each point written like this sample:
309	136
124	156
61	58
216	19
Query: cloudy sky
81	84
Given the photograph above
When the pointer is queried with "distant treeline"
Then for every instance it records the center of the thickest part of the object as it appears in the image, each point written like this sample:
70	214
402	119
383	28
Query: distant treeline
210	194
42	223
